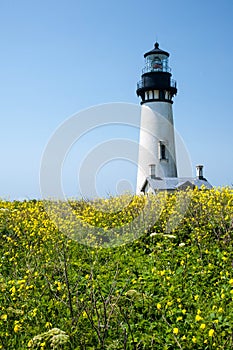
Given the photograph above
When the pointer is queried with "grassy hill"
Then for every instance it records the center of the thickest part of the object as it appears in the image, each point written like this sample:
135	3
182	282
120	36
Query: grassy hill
123	273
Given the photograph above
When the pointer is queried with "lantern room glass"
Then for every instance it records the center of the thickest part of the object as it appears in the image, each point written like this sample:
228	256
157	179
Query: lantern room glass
156	63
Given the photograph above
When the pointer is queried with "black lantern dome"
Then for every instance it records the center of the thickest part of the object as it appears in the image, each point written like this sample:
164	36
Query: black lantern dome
156	51
156	83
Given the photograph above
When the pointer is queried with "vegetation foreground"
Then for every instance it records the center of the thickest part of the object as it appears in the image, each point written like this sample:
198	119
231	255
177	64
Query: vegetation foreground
147	277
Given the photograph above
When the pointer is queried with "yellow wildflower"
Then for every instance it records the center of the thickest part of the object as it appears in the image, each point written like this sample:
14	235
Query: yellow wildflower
175	330
13	290
17	327
211	332
198	318
48	325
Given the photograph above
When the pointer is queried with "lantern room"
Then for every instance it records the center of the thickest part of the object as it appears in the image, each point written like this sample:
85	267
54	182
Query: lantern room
156	83
156	60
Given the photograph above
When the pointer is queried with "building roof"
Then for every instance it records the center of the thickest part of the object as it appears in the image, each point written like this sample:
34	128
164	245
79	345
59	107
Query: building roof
175	183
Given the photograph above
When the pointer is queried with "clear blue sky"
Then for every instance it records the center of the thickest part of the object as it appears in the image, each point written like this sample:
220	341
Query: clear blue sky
59	57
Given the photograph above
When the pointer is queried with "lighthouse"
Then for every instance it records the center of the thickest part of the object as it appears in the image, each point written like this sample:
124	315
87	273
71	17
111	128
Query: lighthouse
157	155
157	166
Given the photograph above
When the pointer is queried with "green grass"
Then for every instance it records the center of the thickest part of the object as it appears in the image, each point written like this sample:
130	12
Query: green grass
169	290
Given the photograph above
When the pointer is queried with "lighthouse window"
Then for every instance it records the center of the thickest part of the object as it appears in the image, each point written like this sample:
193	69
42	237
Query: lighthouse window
161	95
162	151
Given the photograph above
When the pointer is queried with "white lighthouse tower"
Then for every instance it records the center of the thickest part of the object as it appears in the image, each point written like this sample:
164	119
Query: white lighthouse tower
157	168
157	156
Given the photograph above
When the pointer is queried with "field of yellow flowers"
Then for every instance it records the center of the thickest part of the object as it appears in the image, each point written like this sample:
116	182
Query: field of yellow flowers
125	275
